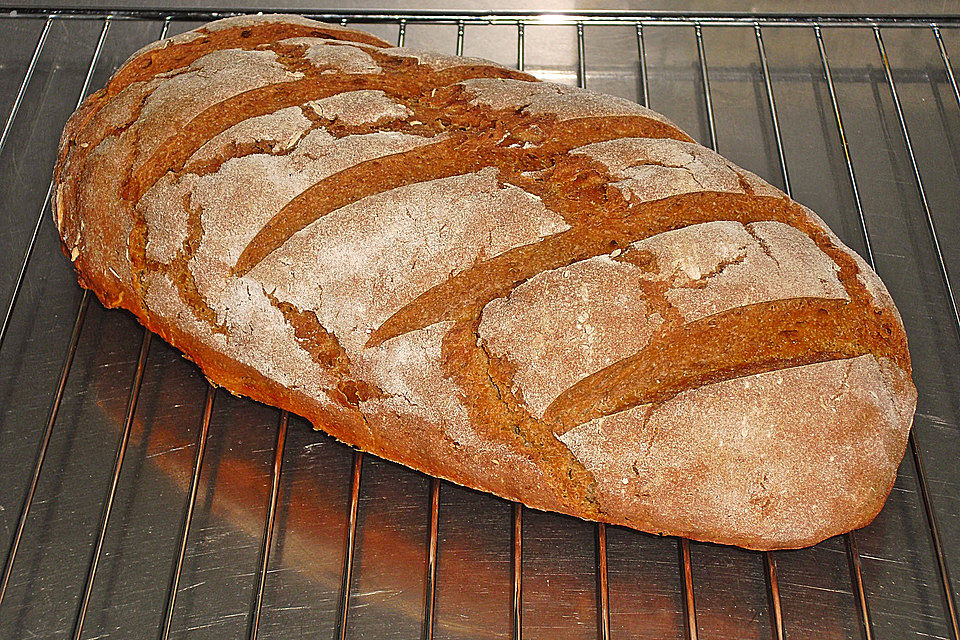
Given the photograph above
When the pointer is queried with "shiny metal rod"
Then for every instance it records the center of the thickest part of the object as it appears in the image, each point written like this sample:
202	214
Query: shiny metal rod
188	517
269	525
773	593
431	586
350	546
946	62
601	528
644	76
689	602
844	144
705	77
520	53
603	582
581	58
772	104
517	602
44	443
931	225
945	581
856	577
769	560
26	80
770	563
32	243
71	349
114	483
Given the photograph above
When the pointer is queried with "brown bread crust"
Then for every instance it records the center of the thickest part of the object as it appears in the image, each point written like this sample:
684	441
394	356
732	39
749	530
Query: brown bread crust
549	294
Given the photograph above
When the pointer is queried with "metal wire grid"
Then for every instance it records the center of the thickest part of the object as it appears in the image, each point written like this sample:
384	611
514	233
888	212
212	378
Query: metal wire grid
520	20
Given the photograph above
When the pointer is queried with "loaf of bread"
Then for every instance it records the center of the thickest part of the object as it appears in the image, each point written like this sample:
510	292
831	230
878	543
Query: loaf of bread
545	293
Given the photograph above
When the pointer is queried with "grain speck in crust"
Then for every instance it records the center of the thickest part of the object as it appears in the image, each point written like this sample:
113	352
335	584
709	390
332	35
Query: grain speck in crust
546	293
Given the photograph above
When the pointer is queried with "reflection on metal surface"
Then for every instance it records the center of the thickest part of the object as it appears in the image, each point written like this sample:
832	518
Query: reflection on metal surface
44	447
689	601
856	576
201	518
188	516
43	208
351	545
112	494
603	585
269	526
431	591
517	602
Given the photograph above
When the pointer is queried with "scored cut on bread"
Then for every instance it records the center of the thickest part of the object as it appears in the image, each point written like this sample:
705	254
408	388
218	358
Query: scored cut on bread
550	294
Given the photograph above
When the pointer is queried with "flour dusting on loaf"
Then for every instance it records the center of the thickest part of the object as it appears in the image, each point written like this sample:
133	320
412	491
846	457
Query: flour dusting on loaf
546	293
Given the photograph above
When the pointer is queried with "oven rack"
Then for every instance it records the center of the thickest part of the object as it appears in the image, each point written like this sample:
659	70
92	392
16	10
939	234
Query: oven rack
934	495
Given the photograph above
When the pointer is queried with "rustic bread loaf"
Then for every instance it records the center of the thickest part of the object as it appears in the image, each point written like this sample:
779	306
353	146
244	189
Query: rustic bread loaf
549	294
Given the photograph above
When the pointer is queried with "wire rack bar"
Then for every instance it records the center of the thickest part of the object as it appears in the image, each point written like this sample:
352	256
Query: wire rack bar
956	93
581	61
357	469
916	174
68	359
268	527
642	55
844	143
188	516
520	53
351	545
44	443
26	80
773	594
603	587
32	243
686	569
856	578
933	527
946	585
773	588
517	601
114	483
128	420
772	105
946	62
351	542
770	562
682	18
429	610
689	601
945	582
707	94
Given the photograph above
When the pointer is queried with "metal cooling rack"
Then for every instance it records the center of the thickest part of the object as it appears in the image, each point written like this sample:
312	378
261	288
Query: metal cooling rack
136	501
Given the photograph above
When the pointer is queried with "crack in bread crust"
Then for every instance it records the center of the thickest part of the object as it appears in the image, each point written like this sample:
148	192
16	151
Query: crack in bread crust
216	119
326	351
732	344
456	153
487	382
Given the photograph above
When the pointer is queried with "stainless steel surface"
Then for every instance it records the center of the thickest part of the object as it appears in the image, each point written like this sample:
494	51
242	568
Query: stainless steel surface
138	502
